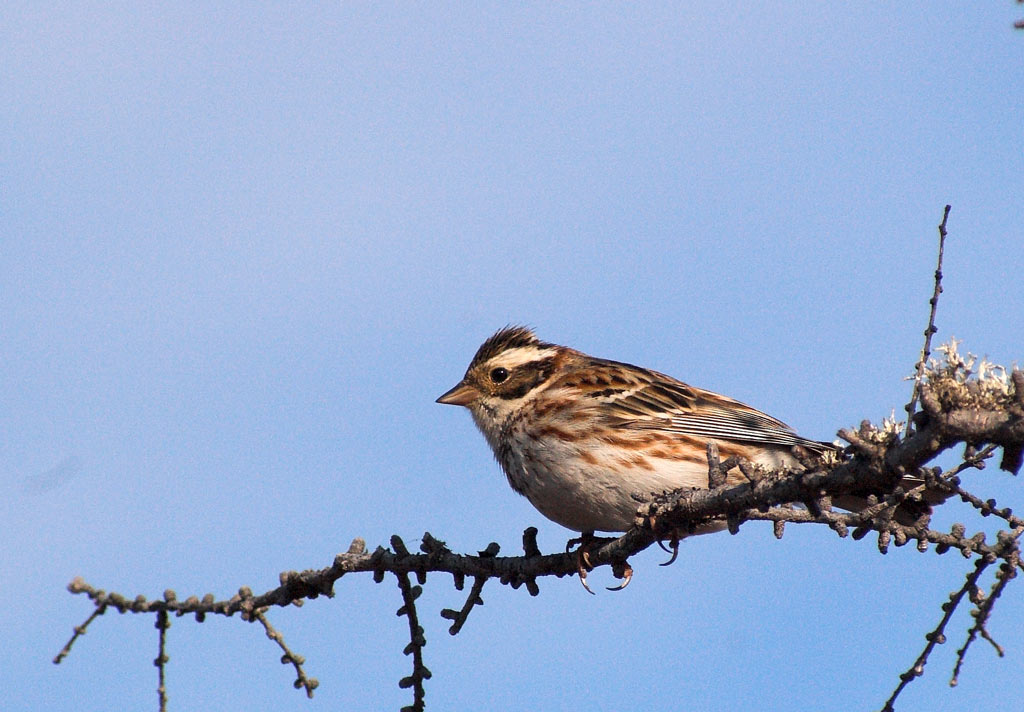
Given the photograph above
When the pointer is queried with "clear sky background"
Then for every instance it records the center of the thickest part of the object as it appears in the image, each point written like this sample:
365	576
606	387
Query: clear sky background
243	248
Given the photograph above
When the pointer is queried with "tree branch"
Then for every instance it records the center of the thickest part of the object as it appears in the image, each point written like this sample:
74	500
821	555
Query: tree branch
929	331
982	409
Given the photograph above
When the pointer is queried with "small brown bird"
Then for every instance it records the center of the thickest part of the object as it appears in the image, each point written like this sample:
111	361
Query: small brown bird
583	437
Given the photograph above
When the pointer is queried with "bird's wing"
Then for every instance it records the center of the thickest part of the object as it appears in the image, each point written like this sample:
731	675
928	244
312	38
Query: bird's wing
636	398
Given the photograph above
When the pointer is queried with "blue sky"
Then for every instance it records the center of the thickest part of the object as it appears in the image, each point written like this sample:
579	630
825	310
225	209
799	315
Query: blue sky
244	248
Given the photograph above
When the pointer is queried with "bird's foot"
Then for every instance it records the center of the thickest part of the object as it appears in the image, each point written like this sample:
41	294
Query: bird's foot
587	542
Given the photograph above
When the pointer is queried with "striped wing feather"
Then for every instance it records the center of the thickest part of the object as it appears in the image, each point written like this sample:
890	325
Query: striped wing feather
653	401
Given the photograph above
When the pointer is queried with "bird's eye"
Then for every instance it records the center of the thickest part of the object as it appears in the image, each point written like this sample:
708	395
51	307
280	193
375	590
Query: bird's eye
499	375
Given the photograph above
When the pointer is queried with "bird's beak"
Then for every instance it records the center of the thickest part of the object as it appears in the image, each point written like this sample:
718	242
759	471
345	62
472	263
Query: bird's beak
461	394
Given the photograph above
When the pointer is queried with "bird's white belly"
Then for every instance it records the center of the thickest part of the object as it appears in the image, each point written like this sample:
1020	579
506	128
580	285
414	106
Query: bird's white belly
594	491
600	489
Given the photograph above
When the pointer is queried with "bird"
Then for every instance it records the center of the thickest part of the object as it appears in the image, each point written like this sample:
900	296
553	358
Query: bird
586	440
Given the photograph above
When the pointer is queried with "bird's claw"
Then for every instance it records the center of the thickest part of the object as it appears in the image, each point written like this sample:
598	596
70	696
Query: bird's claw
621	570
674	551
583	578
626	575
583	564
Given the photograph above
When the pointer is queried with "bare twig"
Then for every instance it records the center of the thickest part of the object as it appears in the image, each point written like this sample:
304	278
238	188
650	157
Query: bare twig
162	624
716	478
926	350
973	459
988	507
530	547
416	642
288	657
718	469
473	599
79	630
938	636
1007	571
